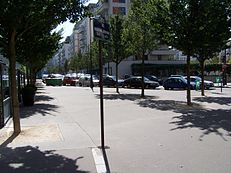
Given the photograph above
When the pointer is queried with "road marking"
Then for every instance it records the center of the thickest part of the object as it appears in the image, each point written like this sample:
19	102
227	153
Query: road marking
99	160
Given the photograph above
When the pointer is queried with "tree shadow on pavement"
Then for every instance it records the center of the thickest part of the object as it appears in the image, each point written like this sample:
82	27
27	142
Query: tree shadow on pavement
38	108
41	90
218	100
43	98
217	121
30	159
210	121
130	97
166	105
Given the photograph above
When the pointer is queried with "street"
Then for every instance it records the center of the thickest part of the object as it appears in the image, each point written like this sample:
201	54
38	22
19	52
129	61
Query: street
157	134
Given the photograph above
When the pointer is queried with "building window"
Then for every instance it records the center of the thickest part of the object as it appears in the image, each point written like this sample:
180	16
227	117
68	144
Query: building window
119	1
159	57
119	10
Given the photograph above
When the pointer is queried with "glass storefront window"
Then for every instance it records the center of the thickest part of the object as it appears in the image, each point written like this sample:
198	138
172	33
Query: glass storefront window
5	82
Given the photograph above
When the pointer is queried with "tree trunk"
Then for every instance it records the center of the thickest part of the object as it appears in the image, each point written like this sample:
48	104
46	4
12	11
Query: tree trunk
13	88
33	76
142	76
117	87
27	75
202	77
188	82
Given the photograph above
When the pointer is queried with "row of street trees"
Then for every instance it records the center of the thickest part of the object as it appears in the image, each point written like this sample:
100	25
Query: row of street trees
25	35
198	28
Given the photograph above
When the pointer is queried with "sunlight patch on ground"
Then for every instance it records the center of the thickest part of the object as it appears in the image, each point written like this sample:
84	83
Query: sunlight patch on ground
33	134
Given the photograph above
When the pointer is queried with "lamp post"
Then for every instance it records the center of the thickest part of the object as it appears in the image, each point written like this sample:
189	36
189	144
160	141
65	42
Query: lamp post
101	32
224	68
91	78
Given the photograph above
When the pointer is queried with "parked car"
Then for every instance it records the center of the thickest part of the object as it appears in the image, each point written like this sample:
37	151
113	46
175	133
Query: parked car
110	81
54	80
136	82
85	80
207	84
177	75
154	78
68	80
177	82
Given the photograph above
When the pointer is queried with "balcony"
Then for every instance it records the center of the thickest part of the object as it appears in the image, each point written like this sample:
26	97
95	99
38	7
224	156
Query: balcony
101	6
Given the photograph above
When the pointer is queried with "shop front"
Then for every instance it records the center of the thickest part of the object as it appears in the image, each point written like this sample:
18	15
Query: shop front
5	99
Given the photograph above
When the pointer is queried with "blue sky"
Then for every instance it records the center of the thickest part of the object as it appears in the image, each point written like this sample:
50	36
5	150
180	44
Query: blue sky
68	26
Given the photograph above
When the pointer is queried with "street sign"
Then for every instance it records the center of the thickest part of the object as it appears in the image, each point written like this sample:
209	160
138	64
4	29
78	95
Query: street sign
101	30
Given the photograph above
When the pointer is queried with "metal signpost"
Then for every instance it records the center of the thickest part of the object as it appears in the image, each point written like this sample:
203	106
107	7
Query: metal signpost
101	32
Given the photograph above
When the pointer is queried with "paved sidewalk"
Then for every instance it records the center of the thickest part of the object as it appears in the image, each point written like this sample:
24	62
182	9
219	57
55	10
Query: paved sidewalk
49	142
158	133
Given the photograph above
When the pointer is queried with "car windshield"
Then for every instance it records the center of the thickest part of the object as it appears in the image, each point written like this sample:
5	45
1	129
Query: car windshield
95	78
113	77
185	80
196	78
146	79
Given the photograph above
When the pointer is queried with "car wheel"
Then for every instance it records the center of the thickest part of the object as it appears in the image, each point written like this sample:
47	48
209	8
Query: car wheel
80	84
166	88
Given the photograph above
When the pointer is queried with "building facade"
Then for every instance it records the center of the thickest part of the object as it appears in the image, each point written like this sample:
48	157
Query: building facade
107	8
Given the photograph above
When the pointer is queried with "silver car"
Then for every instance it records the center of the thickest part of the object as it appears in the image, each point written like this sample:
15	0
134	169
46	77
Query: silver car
207	84
85	80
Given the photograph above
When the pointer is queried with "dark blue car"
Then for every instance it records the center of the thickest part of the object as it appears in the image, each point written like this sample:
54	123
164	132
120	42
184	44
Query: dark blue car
136	82
110	81
176	82
154	78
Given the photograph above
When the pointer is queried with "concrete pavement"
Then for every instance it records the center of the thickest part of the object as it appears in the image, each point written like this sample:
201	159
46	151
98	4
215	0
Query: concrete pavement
50	140
159	133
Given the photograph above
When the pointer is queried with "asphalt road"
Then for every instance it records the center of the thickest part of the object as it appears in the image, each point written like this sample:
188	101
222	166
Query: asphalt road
157	134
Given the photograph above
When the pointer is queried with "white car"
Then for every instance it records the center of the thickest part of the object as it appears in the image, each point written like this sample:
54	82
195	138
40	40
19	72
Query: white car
86	80
207	84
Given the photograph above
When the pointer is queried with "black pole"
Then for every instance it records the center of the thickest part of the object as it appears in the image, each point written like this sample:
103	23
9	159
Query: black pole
224	69
1	100
221	83
91	79
101	94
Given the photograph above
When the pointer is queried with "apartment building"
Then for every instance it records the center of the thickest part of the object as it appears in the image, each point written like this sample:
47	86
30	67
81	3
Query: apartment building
62	55
106	8
82	36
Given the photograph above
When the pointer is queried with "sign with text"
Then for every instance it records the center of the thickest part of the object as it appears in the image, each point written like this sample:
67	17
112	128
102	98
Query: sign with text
101	30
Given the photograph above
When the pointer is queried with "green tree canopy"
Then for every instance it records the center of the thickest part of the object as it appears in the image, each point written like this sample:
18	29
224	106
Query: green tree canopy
118	45
18	17
144	28
183	16
213	33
